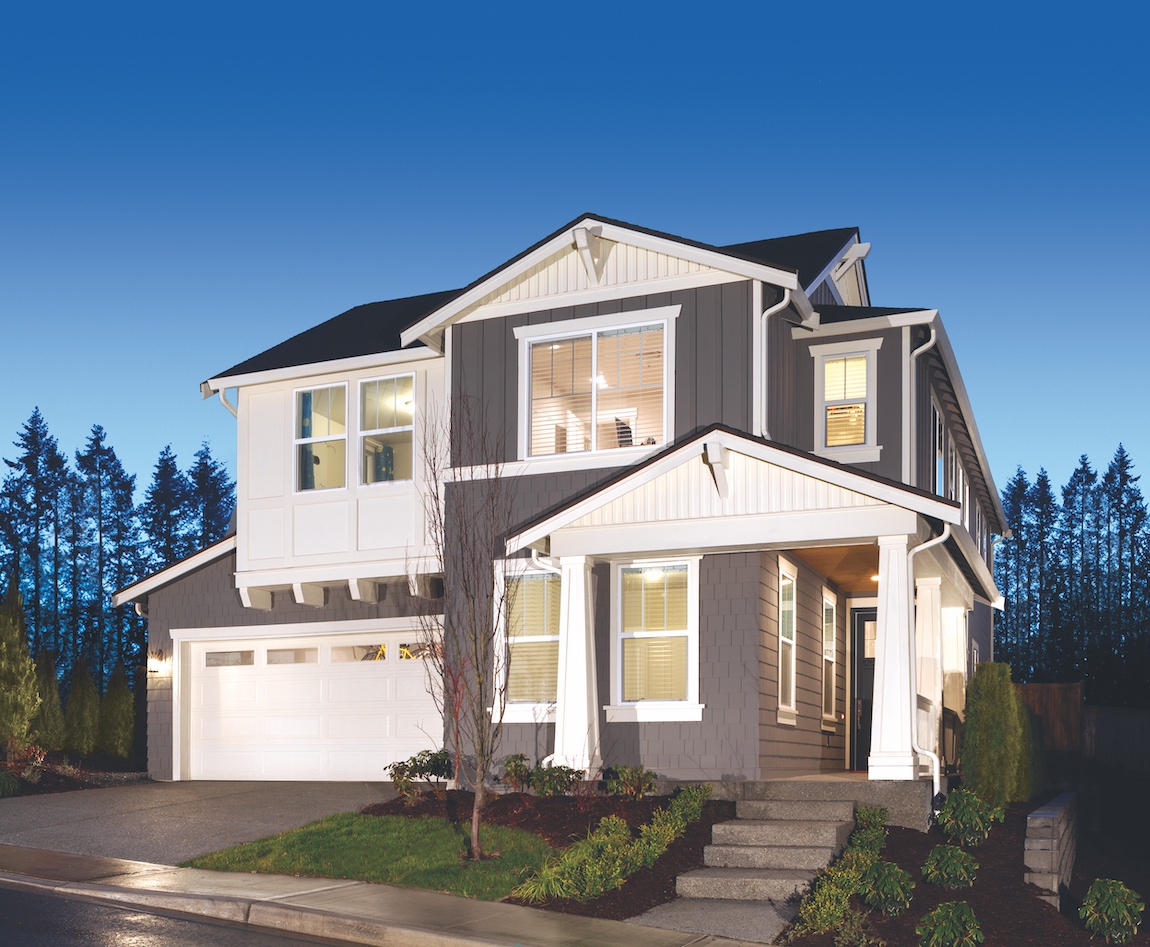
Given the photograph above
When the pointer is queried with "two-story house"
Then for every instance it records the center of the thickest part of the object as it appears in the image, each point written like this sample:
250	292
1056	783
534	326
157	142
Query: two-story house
751	533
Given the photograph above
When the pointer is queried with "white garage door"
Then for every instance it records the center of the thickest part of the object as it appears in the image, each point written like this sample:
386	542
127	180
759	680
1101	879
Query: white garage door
325	707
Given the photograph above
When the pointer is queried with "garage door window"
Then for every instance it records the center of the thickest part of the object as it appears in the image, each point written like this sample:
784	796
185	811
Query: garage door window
293	655
343	654
228	659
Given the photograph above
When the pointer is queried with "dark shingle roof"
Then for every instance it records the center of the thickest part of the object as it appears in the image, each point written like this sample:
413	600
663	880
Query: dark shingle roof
832	314
806	253
365	330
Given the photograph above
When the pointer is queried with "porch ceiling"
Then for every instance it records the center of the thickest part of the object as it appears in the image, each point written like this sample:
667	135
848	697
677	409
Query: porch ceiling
850	568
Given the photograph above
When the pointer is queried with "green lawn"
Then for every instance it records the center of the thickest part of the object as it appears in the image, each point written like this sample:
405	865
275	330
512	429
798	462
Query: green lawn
419	853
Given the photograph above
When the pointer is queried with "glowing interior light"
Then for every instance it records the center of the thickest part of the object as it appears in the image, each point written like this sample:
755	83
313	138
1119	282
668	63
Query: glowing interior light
653	575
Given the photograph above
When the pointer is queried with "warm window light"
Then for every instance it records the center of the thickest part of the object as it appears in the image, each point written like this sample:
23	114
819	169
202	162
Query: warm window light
653	575
874	578
600	381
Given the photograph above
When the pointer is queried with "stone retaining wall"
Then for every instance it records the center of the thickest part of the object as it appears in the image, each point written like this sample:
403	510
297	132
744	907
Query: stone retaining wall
1051	844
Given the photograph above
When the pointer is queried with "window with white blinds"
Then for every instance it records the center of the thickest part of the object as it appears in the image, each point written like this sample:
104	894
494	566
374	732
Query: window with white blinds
786	637
597	391
828	655
845	400
532	637
655	632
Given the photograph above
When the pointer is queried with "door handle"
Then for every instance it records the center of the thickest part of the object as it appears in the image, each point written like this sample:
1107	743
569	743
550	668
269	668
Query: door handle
858	713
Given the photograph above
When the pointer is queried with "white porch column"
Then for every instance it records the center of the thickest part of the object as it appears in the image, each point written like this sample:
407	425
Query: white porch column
577	703
954	651
891	755
928	652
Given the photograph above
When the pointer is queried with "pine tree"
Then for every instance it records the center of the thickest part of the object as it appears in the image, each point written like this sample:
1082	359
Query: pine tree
211	499
82	714
19	697
48	724
164	512
117	716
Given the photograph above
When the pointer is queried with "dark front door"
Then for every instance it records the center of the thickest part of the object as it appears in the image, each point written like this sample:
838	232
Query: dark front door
863	623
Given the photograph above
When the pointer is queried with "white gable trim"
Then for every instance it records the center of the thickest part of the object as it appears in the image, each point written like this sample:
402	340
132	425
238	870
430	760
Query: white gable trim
831	473
446	315
176	571
333	366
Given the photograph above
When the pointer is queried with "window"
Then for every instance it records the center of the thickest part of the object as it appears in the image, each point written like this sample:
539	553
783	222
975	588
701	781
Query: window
655	658
344	654
601	387
228	659
320	438
386	412
845	383
938	433
786	641
829	629
293	655
533	637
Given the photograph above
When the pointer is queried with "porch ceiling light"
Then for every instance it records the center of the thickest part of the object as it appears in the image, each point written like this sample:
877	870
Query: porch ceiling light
874	578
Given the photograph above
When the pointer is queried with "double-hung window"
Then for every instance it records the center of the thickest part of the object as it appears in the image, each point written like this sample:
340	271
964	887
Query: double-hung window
532	637
655	656
386	414
845	416
829	628
596	384
787	626
321	437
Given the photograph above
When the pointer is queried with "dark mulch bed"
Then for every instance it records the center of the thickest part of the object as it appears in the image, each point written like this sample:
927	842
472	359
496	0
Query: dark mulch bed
62	772
1008	910
562	820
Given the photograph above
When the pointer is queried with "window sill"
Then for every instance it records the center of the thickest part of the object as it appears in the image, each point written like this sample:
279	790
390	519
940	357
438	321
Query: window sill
588	459
788	718
529	713
654	712
851	455
830	725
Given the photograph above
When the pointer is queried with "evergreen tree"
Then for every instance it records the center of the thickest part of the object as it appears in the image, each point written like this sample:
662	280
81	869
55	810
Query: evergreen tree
1077	528
1012	571
1046	614
19	697
48	724
165	511
78	545
117	716
211	499
82	714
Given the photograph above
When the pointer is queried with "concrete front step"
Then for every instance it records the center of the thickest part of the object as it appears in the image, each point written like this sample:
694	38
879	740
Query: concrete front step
832	835
820	810
742	884
784	857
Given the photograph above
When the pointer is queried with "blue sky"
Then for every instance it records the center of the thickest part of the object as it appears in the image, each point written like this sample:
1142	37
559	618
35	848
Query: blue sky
184	185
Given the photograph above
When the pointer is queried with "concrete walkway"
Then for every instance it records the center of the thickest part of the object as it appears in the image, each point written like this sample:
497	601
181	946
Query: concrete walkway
119	845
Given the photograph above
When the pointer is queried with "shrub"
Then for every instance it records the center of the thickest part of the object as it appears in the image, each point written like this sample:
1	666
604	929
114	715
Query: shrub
868	840
853	931
426	765
951	924
1111	910
554	780
19	696
871	817
630	782
516	772
965	818
949	867
48	724
992	748
82	715
887	888
117	716
9	784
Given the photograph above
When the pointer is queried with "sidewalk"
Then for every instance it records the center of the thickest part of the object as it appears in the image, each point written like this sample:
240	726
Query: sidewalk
353	911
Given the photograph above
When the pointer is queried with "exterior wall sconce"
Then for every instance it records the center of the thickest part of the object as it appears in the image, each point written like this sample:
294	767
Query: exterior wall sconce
159	663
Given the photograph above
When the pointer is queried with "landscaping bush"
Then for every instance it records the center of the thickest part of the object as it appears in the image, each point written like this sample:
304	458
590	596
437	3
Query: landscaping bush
951	924
19	696
995	761
871	817
82	715
554	780
1111	910
853	931
48	724
966	818
630	782
603	860
117	729
516	772
950	867
9	784
887	888
426	765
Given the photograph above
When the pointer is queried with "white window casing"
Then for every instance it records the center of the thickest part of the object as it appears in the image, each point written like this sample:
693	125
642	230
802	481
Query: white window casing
320	437
655	641
588	408
840	434
386	429
829	654
538	644
788	633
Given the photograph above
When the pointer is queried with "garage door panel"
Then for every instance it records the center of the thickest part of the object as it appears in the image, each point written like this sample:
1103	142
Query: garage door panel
293	764
292	693
368	727
233	693
413	726
233	727
361	690
411	688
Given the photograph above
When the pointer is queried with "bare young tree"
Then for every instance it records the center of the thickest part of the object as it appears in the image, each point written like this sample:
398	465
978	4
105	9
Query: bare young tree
469	510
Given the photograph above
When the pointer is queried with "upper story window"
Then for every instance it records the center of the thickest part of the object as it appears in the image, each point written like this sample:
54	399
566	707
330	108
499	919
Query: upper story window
596	384
321	438
386	415
846	422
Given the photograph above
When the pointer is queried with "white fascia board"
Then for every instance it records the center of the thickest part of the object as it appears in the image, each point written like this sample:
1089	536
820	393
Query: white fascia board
450	313
382	569
947	353
334	366
159	579
918	317
978	565
835	474
301	629
730	534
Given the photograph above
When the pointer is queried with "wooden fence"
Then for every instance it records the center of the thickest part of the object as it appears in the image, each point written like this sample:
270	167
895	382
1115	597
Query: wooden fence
1059	707
1117	737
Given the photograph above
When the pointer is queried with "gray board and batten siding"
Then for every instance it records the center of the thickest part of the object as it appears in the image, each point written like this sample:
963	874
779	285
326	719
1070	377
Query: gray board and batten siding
207	598
712	359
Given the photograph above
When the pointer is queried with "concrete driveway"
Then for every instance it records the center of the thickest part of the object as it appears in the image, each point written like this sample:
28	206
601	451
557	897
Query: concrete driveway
166	823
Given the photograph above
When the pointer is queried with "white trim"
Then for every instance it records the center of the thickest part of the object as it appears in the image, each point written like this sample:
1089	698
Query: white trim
517	711
297	441
560	463
393	568
758	361
529	335
916	317
340	365
829	598
870	450
176	571
296	629
825	273
790	710
689	709
908	467
361	432
451	312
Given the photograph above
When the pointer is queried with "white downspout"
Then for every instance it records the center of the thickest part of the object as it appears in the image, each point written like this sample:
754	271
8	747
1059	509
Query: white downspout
765	318
936	766
913	439
223	393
